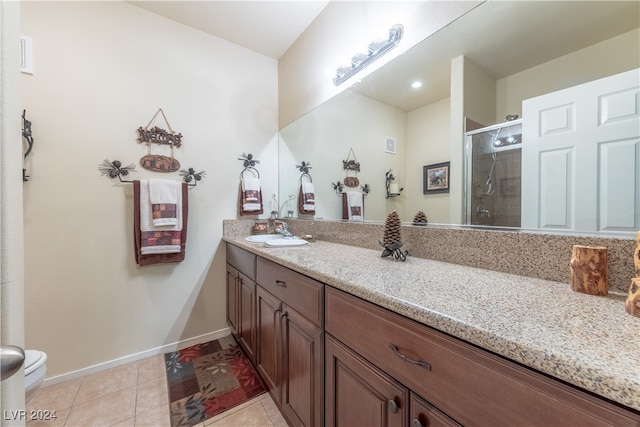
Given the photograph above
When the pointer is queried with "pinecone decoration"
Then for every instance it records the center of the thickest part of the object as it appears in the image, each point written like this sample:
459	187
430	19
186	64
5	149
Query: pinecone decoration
420	219
392	230
392	241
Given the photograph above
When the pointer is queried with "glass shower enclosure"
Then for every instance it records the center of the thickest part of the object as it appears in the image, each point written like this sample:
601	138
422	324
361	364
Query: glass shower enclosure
493	171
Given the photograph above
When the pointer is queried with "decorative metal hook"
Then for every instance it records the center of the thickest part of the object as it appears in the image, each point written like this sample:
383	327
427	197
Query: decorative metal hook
338	187
28	136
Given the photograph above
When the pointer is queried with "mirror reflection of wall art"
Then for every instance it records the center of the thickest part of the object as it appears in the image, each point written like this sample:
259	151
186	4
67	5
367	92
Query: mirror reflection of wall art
436	178
351	165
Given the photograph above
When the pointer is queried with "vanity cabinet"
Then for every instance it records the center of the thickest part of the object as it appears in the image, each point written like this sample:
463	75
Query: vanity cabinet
468	384
290	341
241	298
358	393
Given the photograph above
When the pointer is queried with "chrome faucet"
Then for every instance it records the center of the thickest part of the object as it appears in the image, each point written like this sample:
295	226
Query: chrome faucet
284	229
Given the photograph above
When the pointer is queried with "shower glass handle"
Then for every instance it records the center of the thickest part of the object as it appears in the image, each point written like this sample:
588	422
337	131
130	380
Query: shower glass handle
11	360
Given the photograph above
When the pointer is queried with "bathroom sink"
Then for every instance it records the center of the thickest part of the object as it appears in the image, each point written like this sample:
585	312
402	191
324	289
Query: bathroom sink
261	238
285	243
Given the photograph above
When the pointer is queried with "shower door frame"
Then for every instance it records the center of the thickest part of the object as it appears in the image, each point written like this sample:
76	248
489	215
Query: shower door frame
467	167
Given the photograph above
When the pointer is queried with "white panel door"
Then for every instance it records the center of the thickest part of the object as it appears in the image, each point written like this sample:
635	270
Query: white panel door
581	157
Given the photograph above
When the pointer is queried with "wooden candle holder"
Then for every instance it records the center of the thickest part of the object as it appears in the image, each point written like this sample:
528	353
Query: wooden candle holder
632	305
589	270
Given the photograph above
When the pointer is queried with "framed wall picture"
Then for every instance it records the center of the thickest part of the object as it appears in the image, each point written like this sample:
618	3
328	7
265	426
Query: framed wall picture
436	178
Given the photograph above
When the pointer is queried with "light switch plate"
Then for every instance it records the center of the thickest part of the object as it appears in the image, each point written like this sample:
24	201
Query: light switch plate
26	54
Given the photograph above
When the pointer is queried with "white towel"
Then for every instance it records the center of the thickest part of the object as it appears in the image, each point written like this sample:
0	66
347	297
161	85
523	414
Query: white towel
354	206
163	194
251	194
308	197
158	239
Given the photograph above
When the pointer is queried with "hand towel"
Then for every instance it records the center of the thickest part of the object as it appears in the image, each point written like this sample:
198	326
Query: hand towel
158	239
306	199
354	206
155	258
163	194
251	195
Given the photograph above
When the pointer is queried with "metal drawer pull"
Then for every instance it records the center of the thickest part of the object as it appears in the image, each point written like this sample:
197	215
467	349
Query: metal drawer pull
421	363
416	423
281	283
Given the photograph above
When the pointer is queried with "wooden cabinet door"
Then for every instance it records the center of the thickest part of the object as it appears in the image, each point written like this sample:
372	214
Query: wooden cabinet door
302	374
268	311
425	415
359	394
246	315
232	299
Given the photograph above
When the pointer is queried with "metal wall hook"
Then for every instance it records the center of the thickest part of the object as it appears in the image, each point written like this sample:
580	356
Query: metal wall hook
27	134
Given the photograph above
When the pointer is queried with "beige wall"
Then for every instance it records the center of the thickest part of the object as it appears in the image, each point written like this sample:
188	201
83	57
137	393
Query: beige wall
603	59
102	69
11	224
428	143
343	29
348	121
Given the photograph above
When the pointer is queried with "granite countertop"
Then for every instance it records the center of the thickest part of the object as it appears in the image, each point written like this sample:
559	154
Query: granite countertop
585	340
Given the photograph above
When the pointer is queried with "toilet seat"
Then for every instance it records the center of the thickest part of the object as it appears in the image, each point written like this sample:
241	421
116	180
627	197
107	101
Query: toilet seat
33	360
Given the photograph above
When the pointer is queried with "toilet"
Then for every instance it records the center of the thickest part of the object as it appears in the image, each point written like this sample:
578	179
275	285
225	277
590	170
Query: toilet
35	369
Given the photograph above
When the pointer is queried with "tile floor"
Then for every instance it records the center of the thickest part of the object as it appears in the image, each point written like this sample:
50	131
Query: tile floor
134	395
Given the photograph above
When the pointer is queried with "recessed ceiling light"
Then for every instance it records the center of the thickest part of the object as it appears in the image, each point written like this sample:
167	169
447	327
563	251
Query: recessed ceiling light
417	84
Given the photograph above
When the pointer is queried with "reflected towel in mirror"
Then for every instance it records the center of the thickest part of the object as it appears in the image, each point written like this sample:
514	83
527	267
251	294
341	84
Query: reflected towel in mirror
354	206
306	199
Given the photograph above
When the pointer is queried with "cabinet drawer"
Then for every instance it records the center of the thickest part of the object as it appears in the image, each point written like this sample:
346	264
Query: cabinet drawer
243	260
300	292
473	386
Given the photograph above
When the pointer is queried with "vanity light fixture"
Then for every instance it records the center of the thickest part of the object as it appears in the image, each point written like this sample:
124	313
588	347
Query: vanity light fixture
375	50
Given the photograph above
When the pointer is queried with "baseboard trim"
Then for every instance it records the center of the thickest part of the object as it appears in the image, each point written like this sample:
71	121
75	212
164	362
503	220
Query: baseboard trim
137	356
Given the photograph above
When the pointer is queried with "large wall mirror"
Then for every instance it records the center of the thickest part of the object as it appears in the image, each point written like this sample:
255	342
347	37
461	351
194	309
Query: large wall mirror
512	51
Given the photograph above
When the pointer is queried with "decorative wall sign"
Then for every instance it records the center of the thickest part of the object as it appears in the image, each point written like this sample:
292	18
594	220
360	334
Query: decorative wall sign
156	135
351	165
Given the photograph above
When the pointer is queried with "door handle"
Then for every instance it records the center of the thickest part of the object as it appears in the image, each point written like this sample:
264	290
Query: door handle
11	360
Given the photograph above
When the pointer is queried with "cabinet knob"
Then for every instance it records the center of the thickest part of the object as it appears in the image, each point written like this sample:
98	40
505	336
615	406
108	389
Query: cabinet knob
393	406
416	423
281	283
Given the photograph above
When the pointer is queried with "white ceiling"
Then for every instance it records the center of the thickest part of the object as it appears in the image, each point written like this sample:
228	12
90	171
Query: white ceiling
502	37
266	27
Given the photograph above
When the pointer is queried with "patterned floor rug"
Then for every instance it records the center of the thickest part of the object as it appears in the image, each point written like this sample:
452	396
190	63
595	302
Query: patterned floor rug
207	379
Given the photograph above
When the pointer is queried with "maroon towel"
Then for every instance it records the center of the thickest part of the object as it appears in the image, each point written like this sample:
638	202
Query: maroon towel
158	258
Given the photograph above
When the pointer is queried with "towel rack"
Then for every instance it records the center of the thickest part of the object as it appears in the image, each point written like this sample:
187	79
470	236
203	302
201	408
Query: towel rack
305	175
252	169
114	169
